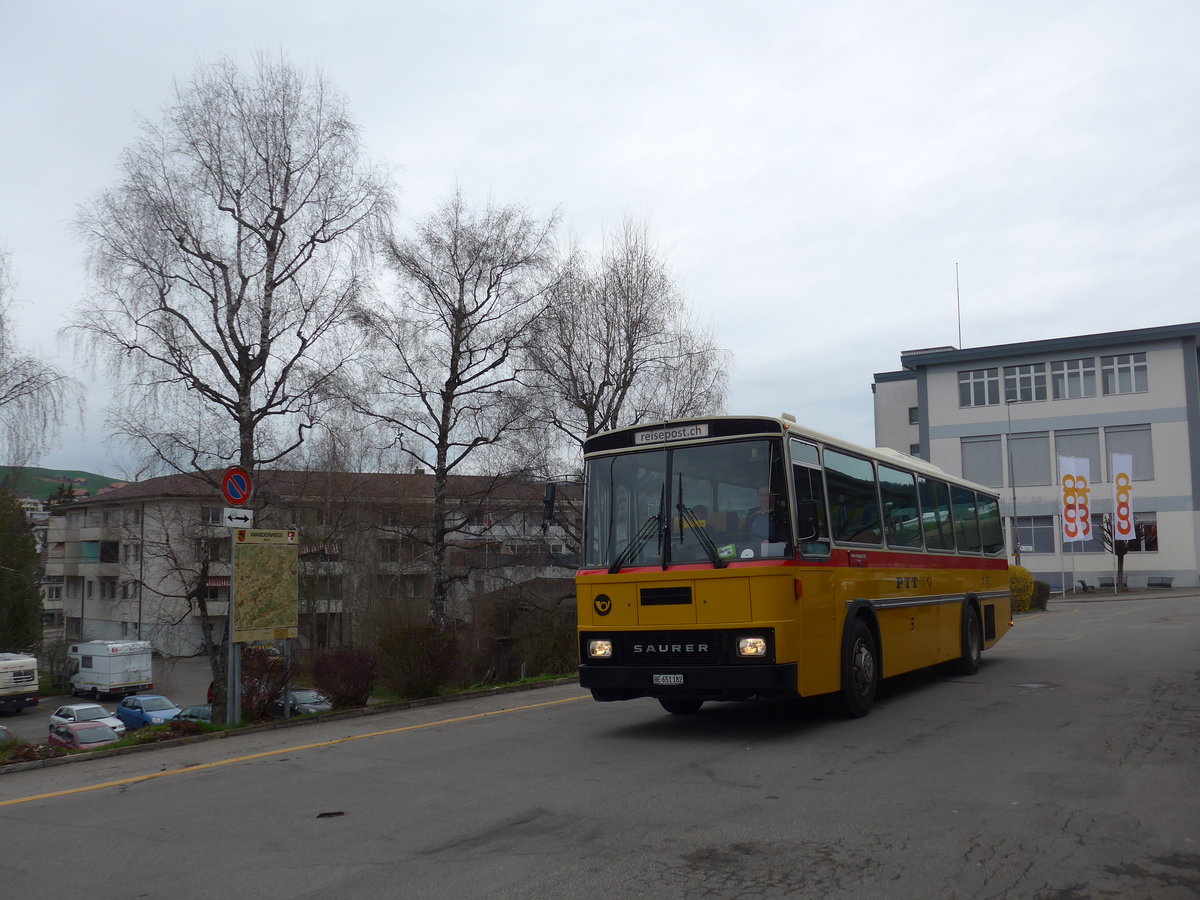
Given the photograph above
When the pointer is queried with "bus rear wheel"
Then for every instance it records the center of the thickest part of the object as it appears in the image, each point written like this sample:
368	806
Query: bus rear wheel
683	706
972	643
860	670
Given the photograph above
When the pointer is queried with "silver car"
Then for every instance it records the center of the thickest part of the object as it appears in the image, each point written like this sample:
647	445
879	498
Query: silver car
86	712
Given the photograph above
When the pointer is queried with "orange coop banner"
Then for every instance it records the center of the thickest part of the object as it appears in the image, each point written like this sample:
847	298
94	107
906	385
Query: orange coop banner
1122	479
1074	478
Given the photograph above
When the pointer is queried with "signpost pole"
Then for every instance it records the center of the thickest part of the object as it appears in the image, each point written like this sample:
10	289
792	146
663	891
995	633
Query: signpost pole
237	487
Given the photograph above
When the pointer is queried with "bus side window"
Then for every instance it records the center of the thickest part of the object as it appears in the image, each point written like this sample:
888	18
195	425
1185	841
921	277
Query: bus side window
935	513
855	498
812	527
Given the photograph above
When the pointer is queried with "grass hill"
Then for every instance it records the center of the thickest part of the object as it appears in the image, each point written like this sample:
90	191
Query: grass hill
31	482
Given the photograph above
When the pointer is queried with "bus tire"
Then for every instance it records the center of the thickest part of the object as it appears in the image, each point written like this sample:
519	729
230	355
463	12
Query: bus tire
860	670
972	642
681	706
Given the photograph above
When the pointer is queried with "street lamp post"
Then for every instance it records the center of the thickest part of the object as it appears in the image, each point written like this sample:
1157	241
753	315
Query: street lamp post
1012	481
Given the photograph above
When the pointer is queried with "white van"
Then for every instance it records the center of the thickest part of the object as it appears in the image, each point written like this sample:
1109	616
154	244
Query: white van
110	667
18	681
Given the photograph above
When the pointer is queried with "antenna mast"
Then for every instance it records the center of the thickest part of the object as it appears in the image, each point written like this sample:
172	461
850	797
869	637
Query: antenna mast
958	300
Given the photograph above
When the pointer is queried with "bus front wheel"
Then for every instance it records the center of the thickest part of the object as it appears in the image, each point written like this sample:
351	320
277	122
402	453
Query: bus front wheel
860	670
681	706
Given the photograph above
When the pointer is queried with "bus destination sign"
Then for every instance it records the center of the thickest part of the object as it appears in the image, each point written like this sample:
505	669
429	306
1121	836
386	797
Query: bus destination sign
671	433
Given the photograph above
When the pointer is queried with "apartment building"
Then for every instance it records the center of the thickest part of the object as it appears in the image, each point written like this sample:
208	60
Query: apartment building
1004	415
140	561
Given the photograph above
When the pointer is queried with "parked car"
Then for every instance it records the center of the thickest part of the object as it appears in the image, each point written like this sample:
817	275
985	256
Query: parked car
6	735
301	702
86	712
196	714
82	735
146	709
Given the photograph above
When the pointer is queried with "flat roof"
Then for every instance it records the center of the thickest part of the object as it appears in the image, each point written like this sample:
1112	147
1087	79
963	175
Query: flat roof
912	359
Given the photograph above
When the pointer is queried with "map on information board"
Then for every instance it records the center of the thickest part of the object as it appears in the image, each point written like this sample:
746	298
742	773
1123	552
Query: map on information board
265	592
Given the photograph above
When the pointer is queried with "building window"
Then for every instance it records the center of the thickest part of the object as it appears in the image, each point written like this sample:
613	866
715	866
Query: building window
1134	440
981	460
309	516
979	387
1073	378
914	449
133	515
212	515
1094	544
214	549
1036	534
108	589
389	551
131	553
1146	530
1124	374
1081	443
1025	384
128	590
1030	458
914	415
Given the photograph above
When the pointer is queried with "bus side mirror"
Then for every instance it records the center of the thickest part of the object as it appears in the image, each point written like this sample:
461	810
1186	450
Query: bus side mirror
806	520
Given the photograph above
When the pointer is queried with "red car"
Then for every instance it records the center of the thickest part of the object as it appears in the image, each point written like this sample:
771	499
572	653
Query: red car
82	735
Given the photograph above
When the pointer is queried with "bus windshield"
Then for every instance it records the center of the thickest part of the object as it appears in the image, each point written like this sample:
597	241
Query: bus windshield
699	503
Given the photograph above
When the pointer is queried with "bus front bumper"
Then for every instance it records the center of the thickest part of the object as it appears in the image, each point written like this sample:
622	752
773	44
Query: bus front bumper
707	682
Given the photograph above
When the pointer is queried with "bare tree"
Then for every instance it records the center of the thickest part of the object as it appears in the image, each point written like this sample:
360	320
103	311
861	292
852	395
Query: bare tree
1119	548
443	378
618	345
225	260
33	393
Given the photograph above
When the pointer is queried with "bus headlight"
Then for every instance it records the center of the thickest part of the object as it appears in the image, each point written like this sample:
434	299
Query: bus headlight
752	646
600	649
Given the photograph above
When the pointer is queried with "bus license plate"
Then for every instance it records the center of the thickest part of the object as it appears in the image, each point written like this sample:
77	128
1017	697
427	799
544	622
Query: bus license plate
666	679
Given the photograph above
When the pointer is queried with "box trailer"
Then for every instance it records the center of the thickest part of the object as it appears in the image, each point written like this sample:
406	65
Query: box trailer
18	681
110	667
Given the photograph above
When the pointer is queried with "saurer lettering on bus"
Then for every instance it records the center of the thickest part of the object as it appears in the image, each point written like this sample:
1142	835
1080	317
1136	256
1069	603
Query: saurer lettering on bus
670	648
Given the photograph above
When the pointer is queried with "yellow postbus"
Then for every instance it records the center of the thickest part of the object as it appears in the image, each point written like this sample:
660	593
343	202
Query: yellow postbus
733	557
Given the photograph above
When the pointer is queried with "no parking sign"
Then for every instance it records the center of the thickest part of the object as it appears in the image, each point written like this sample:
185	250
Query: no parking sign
236	486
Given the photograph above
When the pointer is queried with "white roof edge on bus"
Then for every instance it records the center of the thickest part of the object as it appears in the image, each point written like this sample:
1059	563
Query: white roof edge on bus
879	454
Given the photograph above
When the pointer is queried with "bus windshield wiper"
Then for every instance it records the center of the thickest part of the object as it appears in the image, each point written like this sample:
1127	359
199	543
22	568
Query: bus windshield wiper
652	525
686	515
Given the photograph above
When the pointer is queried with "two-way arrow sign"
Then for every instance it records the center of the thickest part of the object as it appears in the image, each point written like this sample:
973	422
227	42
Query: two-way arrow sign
238	518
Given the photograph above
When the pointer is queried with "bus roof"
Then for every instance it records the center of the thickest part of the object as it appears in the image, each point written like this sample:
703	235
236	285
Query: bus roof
683	431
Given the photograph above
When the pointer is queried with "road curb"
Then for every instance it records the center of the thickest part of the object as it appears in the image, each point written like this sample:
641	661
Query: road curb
369	710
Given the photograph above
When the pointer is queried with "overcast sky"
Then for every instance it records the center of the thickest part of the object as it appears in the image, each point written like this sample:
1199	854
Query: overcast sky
813	171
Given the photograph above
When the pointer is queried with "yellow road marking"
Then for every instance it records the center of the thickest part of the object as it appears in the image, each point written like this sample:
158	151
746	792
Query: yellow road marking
239	759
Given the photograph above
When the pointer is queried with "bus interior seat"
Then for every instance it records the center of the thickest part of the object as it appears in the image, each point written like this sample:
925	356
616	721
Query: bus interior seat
723	521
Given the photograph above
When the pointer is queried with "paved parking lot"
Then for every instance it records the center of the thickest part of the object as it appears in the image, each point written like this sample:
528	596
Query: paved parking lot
183	680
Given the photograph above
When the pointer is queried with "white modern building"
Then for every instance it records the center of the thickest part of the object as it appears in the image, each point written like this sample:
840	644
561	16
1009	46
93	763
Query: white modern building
1004	415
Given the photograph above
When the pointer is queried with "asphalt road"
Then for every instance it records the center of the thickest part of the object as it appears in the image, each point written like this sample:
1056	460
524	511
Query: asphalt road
1067	768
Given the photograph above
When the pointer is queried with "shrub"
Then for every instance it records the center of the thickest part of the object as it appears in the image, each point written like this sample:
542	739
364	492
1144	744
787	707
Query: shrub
1041	595
1020	584
346	676
17	752
416	660
265	674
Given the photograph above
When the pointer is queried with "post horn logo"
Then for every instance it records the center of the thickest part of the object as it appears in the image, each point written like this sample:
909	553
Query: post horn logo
602	604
